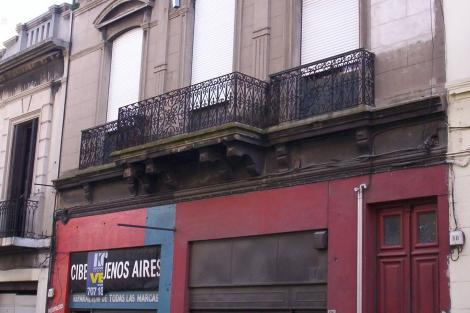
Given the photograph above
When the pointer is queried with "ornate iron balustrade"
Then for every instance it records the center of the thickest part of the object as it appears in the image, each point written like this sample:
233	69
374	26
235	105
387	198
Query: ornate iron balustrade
233	97
329	85
97	143
17	218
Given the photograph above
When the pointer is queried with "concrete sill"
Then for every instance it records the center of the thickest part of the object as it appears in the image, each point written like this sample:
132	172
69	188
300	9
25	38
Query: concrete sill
25	242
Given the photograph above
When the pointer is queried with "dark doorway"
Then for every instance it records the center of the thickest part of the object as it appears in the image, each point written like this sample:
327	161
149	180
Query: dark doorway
17	212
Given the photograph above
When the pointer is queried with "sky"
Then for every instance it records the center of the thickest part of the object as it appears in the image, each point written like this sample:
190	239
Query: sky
13	12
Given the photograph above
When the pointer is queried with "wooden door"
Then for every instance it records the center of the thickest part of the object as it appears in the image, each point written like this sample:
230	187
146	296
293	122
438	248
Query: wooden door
407	257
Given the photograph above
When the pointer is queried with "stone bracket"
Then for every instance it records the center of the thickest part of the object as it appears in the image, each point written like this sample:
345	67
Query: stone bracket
282	157
88	192
137	176
250	156
364	140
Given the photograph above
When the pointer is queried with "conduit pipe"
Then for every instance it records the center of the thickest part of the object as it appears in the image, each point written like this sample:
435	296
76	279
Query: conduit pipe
360	216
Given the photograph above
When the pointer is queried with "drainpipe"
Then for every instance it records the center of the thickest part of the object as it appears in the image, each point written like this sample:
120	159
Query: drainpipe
360	216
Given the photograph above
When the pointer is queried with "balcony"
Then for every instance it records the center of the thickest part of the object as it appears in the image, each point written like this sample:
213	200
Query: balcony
330	85
326	86
18	224
44	29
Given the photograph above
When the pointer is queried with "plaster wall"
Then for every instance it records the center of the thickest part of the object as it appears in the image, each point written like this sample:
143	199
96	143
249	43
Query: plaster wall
44	101
47	106
406	36
457	19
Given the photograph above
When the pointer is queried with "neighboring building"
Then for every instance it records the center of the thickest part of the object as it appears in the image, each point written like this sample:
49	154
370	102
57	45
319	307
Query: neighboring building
32	96
214	156
457	30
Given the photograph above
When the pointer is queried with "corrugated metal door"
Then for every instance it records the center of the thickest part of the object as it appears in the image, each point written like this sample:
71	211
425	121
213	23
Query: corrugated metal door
214	28
329	28
14	303
124	81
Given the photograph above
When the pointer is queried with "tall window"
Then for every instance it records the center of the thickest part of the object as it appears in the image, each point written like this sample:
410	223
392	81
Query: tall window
328	28
214	28
124	81
22	160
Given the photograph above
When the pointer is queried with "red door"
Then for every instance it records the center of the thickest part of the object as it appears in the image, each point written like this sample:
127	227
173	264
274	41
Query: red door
407	256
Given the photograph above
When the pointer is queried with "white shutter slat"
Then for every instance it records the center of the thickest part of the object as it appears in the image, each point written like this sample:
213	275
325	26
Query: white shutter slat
328	28
124	78
214	28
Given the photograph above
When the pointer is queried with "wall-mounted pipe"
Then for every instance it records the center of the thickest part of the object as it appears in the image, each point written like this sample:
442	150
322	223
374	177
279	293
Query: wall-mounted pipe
360	217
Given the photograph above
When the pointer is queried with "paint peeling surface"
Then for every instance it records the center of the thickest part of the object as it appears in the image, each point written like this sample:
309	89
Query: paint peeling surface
102	233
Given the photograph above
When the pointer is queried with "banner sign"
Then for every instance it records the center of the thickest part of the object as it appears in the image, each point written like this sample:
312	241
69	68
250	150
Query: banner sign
98	272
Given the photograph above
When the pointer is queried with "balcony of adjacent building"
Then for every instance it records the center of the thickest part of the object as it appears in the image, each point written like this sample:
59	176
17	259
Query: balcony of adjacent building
19	225
21	217
43	35
234	108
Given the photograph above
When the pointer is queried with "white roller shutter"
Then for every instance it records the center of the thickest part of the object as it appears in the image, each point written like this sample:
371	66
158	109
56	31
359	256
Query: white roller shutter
214	28
329	27
124	78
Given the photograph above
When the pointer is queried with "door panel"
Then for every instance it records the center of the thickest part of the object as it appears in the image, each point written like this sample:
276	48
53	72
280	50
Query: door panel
425	285
393	285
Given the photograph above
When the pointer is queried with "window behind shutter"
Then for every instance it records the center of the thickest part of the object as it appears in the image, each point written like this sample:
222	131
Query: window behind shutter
329	27
124	78
214	28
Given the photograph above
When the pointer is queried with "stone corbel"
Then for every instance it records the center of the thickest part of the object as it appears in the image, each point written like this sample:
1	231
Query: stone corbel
217	158
282	157
250	156
135	175
88	192
152	171
364	140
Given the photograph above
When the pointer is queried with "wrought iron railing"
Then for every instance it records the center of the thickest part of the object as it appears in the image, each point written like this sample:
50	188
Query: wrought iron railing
18	218
333	84
97	144
233	97
329	85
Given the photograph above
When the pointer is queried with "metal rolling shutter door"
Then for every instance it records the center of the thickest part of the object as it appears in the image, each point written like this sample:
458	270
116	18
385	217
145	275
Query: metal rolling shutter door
124	81
214	28
329	27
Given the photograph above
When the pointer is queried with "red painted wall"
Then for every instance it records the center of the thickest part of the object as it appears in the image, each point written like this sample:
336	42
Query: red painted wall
322	205
87	234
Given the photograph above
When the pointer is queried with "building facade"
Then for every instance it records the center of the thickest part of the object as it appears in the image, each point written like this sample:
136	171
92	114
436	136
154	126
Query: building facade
458	86
32	97
253	155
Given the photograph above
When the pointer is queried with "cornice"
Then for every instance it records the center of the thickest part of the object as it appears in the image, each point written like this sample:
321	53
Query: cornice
429	109
88	6
286	179
457	87
39	88
34	52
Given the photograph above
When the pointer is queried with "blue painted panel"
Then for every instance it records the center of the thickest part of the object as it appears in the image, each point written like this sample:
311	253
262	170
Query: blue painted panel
162	216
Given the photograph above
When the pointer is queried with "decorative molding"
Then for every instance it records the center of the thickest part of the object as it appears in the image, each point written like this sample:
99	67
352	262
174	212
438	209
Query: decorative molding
458	88
41	54
86	51
91	4
177	13
103	18
160	77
